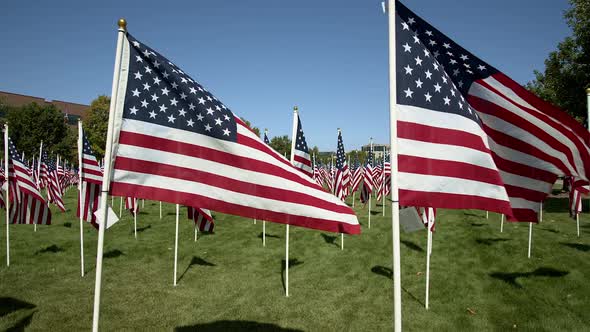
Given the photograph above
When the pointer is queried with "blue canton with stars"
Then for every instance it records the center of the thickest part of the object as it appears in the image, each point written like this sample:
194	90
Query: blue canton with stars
370	159
86	149
266	138
159	92
300	143
340	156
433	72
51	166
14	155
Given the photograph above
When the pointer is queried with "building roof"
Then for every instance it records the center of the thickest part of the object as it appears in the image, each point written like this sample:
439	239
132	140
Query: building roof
73	110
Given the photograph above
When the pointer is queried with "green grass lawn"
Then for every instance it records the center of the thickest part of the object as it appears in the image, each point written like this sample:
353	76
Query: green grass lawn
481	279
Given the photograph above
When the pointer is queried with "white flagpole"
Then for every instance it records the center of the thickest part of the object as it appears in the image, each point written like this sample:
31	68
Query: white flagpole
106	180
121	207
341	234
487	215
196	232
142	203
160	209
371	194
113	201
135	216
502	224
81	200
397	290
430	217
7	197
293	139
383	184
578	223
541	213
254	221
530	238
39	175
176	243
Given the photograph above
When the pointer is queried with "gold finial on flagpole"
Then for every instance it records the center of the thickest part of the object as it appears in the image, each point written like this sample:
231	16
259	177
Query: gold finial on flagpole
122	23
588	91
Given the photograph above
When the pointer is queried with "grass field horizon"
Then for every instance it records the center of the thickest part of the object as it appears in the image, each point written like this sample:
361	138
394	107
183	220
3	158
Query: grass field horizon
481	279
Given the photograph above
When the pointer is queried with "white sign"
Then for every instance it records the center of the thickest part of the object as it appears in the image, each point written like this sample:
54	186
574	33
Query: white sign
111	217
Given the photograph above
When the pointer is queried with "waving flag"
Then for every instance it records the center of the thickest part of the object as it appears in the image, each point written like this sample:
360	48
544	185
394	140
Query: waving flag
357	176
302	159
54	190
457	110
202	218
342	174
577	189
176	142
91	174
27	206
368	182
131	205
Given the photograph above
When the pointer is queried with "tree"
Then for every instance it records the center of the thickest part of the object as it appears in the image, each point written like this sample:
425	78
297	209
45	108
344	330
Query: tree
315	151
567	70
282	144
256	130
97	123
30	124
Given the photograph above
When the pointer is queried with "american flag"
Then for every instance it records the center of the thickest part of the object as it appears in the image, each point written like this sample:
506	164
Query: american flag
301	157
202	218
450	89
423	213
2	180
266	140
54	191
385	178
131	205
342	174
368	182
27	206
357	176
178	143
577	189
91	182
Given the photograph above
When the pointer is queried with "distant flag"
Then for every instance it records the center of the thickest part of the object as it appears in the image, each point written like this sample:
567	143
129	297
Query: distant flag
202	218
266	140
90	186
464	121
131	205
368	182
302	159
357	175
54	192
423	213
178	143
2	180
27	206
342	175
577	189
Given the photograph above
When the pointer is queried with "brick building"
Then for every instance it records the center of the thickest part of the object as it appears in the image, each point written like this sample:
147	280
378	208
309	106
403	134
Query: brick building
72	111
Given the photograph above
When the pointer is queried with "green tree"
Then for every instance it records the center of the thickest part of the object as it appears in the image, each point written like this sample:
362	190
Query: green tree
256	130
567	70
30	124
315	151
282	144
97	123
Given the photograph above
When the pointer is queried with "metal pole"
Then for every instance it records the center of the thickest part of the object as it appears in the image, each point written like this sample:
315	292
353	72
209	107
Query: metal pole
81	200
502	224
395	231
530	238
7	200
293	139
430	217
176	244
106	178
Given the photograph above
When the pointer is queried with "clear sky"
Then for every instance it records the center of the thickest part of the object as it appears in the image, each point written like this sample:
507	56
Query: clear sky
262	57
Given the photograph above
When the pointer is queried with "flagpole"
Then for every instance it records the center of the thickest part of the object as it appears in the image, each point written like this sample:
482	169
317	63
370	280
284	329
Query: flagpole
135	217
343	199
39	175
160	209
430	217
121	207
530	238
397	290
370	194
487	215
81	200
264	233
7	203
196	232
293	139
502	224
383	184
176	243
107	174
541	213
578	222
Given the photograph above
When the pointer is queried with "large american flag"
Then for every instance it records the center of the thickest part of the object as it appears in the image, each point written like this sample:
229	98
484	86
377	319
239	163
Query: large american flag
91	182
455	106
301	157
176	142
27	206
342	180
54	191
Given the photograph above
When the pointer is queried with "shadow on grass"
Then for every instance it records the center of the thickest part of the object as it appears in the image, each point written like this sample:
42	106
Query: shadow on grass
388	273
510	278
195	261
490	241
113	253
471	214
292	263
234	325
21	324
548	230
411	245
376	212
477	225
68	224
52	248
330	239
9	305
144	228
577	246
268	235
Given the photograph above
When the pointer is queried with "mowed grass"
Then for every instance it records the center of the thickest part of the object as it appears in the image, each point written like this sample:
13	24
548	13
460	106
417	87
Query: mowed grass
481	279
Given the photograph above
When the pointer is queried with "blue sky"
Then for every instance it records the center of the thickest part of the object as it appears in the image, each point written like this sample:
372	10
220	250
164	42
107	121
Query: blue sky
263	57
